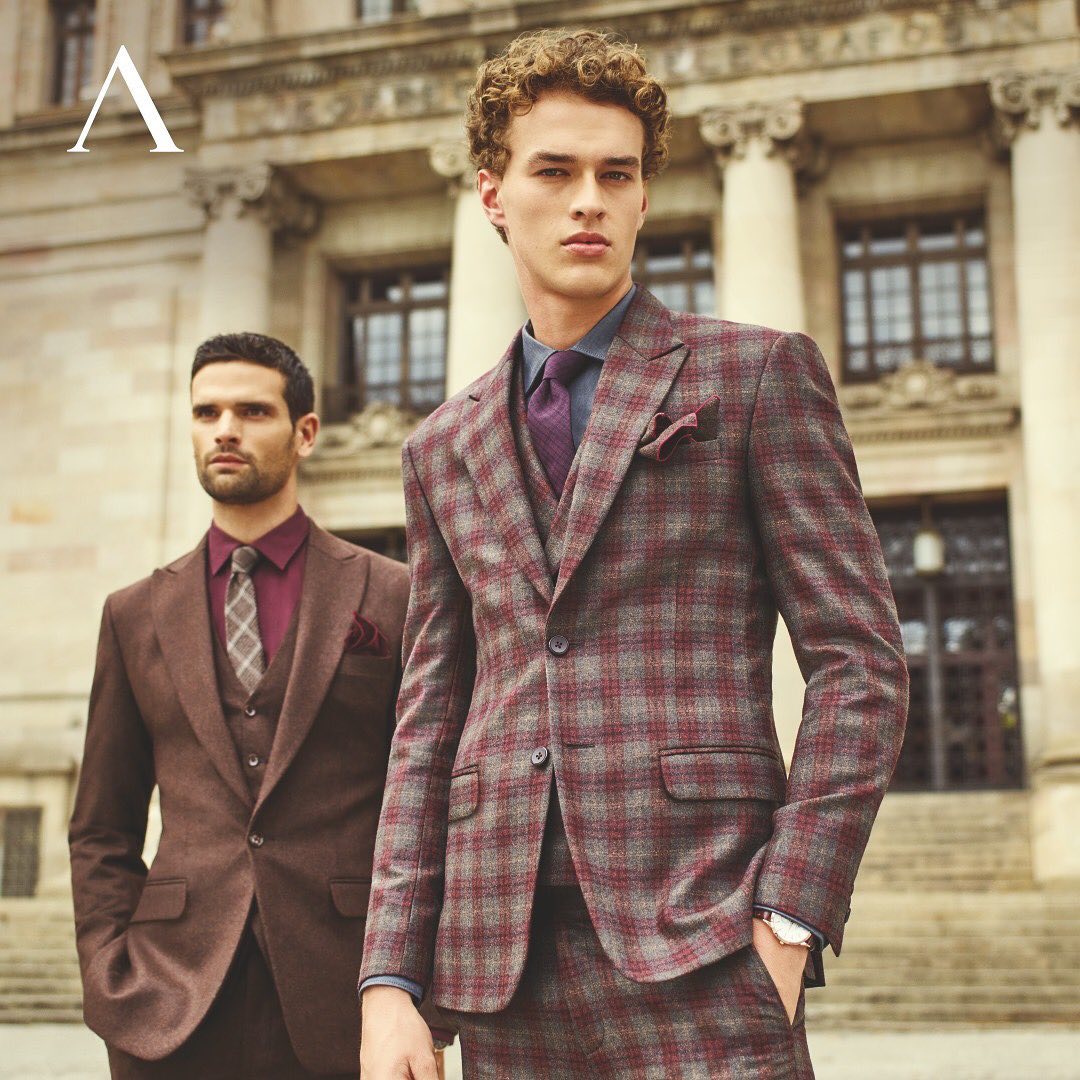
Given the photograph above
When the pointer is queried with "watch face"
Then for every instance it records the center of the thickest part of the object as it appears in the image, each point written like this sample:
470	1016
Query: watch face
788	931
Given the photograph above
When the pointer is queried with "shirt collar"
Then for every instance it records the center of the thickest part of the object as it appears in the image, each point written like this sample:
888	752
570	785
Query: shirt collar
279	545
595	342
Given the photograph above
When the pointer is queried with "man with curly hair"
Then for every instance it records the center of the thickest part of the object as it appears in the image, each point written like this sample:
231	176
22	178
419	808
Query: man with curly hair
586	804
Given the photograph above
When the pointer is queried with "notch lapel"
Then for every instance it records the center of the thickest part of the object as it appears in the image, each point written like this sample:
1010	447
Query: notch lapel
487	445
181	613
636	376
335	580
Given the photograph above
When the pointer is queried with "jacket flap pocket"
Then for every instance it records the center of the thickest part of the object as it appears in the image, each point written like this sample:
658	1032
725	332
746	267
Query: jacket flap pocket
161	900
365	663
721	773
350	896
464	794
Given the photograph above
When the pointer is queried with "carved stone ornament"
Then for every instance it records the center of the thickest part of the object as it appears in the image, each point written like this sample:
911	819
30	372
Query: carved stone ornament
781	124
451	160
919	384
1020	99
258	190
922	401
380	424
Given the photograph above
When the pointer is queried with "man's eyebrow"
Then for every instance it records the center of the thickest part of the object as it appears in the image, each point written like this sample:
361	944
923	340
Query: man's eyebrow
264	403
550	157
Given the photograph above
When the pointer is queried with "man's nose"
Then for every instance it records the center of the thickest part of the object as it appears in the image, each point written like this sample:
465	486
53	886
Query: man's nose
588	200
227	429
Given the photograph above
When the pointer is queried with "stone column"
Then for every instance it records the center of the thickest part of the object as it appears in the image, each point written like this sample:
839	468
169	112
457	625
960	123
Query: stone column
759	150
1036	116
486	308
762	153
245	207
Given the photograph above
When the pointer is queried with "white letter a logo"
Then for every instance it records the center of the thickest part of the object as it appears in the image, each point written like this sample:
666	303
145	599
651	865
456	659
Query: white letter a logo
163	143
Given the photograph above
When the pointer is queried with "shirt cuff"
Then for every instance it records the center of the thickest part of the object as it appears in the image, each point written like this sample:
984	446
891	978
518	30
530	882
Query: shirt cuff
805	925
415	989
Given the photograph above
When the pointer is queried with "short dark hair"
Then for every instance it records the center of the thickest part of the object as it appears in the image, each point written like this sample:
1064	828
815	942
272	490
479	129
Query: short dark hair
269	352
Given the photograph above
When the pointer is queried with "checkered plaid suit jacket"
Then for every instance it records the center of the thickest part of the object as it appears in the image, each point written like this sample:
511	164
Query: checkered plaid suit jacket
658	716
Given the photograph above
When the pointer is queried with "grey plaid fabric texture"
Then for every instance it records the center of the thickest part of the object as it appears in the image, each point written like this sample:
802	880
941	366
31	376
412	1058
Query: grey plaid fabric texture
549	416
243	642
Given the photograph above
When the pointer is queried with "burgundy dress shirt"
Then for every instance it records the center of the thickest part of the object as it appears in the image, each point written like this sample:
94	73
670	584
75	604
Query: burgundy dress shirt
278	577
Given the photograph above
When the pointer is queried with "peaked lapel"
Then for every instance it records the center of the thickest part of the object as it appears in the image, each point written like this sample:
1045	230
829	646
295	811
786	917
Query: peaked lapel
487	444
181	613
636	376
335	581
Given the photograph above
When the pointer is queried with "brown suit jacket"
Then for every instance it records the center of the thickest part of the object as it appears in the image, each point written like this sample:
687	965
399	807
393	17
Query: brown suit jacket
154	946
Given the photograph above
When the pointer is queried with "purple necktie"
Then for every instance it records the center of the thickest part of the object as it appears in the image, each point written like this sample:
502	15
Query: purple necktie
549	416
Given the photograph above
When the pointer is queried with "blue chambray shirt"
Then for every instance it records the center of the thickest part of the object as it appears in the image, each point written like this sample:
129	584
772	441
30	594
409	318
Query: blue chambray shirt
595	343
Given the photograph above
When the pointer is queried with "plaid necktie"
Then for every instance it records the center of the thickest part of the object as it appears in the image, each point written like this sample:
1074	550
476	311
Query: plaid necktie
242	641
549	416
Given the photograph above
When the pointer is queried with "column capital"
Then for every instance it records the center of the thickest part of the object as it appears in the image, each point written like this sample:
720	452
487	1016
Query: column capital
258	191
1020	99
451	160
780	124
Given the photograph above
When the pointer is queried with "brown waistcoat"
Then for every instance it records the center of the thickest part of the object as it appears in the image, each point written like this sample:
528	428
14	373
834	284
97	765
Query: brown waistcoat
252	718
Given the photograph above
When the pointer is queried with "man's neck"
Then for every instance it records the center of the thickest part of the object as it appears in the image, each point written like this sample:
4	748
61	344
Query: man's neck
248	523
560	321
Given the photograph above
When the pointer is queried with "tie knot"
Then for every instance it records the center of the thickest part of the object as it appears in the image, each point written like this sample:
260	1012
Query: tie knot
243	559
563	366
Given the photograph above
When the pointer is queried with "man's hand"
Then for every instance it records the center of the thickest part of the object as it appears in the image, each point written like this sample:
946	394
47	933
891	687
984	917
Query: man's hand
395	1043
785	963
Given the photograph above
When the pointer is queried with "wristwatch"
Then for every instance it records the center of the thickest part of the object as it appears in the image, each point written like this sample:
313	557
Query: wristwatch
786	931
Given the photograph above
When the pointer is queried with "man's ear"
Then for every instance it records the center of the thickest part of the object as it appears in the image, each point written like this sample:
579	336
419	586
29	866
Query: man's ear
644	205
306	429
489	184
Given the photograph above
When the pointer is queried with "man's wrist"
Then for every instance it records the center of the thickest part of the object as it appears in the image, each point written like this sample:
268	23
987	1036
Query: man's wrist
398	982
779	921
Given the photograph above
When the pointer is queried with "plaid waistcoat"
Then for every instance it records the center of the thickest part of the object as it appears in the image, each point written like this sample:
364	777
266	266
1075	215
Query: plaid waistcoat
556	864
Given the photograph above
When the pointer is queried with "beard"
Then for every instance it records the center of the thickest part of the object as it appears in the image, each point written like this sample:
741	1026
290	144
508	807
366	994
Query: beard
253	485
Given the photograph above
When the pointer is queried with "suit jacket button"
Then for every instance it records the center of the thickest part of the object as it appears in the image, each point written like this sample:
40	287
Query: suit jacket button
256	839
539	756
558	645
253	760
249	710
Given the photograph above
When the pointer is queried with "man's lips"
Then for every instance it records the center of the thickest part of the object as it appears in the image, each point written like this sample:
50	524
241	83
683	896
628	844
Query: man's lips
226	459
593	244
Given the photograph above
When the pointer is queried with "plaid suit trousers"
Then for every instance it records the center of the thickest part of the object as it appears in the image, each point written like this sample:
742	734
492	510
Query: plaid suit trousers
573	1015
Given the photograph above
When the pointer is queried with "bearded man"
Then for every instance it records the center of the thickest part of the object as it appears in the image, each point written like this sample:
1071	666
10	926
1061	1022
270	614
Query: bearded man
253	681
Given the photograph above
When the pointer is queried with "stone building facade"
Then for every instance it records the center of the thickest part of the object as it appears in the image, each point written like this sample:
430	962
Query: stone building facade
897	179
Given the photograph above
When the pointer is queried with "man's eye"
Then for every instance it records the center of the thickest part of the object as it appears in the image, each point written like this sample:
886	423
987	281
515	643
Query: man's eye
620	176
256	410
552	172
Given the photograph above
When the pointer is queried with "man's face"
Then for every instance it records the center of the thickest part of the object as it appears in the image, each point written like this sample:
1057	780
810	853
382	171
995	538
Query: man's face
246	447
572	198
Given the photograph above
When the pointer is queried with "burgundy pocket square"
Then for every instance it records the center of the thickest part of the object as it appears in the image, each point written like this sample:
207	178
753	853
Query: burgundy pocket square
365	638
662	434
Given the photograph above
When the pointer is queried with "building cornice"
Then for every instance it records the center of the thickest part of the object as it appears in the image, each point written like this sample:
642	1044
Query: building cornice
453	42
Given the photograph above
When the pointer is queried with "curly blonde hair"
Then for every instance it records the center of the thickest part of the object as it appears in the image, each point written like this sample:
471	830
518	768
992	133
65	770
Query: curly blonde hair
598	66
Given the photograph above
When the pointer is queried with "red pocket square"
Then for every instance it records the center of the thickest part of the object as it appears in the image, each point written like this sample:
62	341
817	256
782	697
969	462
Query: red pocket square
364	637
662	434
